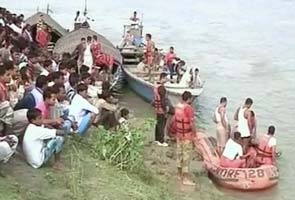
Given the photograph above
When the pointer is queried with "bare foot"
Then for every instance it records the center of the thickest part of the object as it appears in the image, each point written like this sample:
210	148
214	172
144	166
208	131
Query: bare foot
58	166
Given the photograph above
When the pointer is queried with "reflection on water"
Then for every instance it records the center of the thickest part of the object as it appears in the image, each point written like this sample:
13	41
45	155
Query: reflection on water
244	49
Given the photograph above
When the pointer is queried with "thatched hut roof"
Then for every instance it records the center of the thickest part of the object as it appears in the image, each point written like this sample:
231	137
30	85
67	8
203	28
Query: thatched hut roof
69	42
57	28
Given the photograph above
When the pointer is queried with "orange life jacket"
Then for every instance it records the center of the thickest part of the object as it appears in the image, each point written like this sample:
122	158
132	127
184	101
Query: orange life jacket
183	125
157	100
263	150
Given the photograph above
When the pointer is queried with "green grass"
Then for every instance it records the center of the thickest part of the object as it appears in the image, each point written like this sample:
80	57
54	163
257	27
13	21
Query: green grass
87	176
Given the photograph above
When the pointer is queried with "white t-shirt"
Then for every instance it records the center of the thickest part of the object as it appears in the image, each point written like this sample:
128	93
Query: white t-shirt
232	149
79	107
33	143
272	141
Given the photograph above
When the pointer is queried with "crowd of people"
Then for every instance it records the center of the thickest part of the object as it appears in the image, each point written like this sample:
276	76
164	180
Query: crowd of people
44	97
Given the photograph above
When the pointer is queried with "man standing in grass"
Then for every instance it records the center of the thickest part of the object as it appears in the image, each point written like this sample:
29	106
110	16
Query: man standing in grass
160	105
185	133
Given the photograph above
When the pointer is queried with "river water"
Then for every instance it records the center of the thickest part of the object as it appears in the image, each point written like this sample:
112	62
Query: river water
243	48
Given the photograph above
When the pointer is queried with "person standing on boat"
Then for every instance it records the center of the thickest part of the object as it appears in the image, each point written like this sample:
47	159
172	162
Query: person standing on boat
243	115
43	37
149	52
160	105
77	23
134	18
100	58
266	151
88	59
79	52
185	133
169	58
222	128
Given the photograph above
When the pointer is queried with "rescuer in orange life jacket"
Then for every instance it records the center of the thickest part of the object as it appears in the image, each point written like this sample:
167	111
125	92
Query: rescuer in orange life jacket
160	103
266	150
185	133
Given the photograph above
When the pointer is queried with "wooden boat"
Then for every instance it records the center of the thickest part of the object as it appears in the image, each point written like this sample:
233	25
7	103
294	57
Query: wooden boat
57	30
138	80
246	179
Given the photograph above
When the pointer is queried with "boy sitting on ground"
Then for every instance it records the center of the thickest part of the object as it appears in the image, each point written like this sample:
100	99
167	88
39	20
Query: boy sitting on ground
40	143
123	121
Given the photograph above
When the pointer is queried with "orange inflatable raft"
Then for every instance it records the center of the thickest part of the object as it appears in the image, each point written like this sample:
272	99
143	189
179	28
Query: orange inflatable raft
247	179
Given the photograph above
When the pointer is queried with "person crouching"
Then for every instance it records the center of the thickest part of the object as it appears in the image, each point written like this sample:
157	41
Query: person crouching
40	144
232	156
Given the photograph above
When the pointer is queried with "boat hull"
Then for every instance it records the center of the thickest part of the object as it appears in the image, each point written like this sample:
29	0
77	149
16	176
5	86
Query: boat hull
145	89
246	179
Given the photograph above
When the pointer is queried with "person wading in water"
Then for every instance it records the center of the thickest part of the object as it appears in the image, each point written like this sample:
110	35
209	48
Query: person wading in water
160	105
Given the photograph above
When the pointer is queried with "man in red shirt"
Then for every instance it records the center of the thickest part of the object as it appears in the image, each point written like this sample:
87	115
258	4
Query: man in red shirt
185	133
170	56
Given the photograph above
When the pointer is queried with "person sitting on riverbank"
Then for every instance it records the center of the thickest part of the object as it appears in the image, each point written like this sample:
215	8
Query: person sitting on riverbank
6	111
232	156
8	146
83	112
56	78
35	97
123	120
40	144
71	89
49	100
266	150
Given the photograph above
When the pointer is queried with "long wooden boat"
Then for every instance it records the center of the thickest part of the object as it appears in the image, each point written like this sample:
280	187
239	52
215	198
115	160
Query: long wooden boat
138	80
246	179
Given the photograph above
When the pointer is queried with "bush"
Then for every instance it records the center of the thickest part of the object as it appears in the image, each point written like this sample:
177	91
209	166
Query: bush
122	148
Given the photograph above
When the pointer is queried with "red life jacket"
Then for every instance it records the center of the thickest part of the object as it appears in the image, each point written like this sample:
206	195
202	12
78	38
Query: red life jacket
172	128
183	125
263	150
157	100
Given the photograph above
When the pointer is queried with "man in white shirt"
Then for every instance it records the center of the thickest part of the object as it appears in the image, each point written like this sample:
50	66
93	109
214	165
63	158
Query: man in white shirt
39	143
232	156
81	110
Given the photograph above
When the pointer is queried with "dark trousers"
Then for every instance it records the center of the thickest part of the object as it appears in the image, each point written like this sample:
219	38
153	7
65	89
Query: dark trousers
160	128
